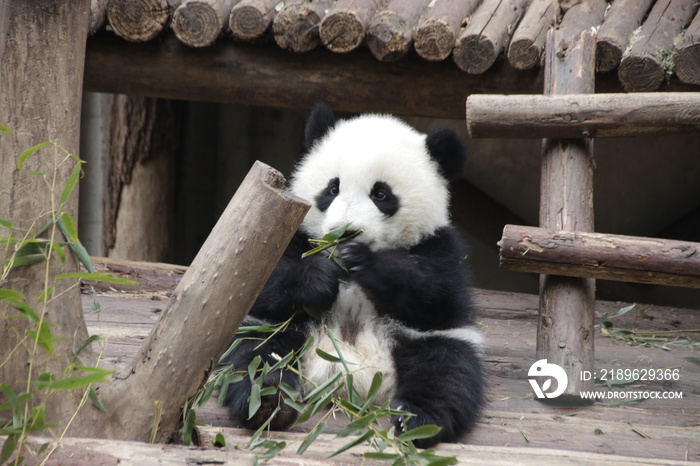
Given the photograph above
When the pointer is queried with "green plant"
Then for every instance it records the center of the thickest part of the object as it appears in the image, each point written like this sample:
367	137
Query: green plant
22	247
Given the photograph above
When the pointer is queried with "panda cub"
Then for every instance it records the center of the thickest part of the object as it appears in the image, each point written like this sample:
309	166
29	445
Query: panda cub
403	305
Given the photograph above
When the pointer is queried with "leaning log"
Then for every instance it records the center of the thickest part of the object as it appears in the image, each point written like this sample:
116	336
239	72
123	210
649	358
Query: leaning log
616	31
390	33
296	26
687	55
198	23
598	255
139	20
565	326
487	34
583	115
439	26
208	305
344	27
249	19
643	69
525	50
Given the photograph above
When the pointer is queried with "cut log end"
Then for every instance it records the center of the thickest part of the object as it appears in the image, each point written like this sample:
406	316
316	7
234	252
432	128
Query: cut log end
475	54
296	29
388	38
138	21
197	24
687	64
434	40
608	56
248	22
524	54
641	74
342	32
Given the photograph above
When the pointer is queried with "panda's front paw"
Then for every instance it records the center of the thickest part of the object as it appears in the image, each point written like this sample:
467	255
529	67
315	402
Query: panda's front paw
356	256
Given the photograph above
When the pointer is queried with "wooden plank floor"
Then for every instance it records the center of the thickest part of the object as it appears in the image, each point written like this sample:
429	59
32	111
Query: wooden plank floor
515	426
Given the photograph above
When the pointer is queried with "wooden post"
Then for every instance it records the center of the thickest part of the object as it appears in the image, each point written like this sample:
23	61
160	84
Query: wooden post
565	327
42	53
201	319
599	255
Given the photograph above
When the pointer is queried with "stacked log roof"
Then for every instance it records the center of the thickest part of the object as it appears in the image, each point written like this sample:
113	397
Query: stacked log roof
644	41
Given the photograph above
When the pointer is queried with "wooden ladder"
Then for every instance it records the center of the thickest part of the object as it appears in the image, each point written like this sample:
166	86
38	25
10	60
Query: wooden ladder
565	250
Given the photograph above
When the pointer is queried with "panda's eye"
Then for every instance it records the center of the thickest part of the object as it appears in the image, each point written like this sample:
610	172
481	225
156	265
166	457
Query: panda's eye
333	190
379	195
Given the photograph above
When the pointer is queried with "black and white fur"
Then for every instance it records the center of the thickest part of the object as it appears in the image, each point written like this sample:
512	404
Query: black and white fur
404	307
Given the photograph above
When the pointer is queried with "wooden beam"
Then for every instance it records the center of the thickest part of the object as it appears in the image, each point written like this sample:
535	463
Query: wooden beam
345	25
140	20
267	76
597	255
583	115
565	325
295	27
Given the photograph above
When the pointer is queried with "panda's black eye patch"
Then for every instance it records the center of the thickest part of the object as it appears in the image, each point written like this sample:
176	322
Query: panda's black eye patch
384	198
325	198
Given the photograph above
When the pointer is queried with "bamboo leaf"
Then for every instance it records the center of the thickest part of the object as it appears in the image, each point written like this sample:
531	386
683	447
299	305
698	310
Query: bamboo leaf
328	357
421	432
4	129
92	394
5	223
8	448
309	439
102	277
351	444
71	183
254	401
10	294
77	381
219	441
25	155
45	339
88	341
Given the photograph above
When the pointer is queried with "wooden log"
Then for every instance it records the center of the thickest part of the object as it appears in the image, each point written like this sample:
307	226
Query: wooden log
390	33
651	56
565	325
687	54
598	255
198	23
250	19
581	15
583	115
296	26
139	20
42	56
525	49
259	75
344	27
98	15
439	26
616	31
209	303
487	34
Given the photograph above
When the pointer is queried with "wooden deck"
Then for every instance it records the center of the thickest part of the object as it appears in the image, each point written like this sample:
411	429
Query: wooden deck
515	428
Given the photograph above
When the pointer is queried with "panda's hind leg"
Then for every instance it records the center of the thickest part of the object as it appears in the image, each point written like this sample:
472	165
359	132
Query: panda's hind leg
440	381
238	394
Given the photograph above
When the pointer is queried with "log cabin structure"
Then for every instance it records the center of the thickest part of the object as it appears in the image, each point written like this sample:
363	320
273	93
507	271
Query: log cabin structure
425	59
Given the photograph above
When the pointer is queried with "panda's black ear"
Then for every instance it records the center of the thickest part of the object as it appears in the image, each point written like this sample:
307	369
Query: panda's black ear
320	122
449	151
